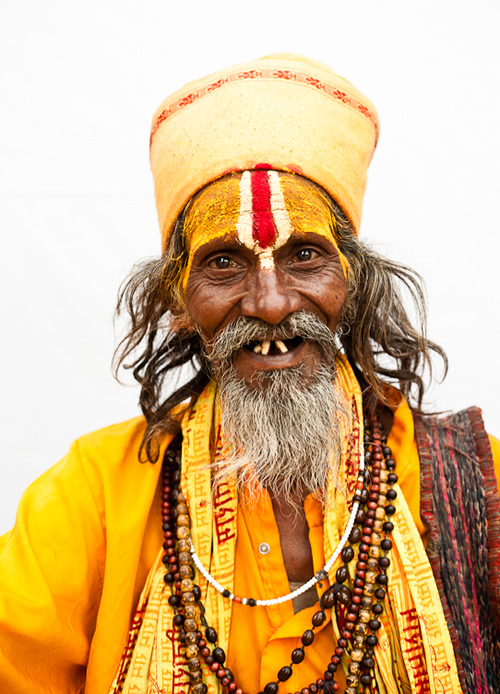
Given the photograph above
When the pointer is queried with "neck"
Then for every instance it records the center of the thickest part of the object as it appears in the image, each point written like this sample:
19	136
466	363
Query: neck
294	534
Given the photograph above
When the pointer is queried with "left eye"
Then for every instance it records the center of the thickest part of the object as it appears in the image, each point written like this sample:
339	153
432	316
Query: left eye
306	254
221	262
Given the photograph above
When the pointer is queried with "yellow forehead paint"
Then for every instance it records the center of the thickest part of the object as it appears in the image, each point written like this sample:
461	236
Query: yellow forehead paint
309	211
262	208
212	213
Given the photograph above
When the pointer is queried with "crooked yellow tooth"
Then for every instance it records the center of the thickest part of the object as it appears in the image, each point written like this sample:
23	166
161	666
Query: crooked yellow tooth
266	346
257	349
281	346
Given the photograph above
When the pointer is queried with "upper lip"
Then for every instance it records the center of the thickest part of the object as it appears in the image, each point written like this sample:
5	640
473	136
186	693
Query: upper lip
273	335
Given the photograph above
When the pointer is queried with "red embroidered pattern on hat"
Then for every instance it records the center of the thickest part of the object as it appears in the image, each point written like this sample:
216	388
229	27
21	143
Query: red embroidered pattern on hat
268	74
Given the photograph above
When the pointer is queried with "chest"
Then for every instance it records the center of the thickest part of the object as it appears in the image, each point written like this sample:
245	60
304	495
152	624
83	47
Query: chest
294	540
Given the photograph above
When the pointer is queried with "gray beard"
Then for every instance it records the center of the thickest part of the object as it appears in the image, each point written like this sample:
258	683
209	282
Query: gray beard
284	434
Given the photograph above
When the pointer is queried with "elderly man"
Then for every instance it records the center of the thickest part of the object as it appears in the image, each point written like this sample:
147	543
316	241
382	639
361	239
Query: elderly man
271	541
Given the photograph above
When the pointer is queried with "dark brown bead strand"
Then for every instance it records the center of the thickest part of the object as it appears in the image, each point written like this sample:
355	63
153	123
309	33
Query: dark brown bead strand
362	660
168	526
368	662
378	470
183	577
353	607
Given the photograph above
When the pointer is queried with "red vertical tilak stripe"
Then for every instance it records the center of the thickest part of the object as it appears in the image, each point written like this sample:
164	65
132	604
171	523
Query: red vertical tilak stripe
263	231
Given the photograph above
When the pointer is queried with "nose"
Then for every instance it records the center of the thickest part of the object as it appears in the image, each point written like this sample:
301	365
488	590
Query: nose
268	297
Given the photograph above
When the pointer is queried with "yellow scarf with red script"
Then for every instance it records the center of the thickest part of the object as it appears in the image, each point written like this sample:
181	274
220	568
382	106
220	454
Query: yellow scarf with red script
414	654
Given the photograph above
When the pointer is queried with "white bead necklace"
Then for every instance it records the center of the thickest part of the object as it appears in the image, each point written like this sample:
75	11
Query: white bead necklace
319	575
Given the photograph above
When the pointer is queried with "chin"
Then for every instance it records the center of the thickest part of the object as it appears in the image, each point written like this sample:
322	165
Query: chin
279	380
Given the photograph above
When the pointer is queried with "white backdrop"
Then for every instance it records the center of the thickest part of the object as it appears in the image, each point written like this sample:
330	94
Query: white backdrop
79	84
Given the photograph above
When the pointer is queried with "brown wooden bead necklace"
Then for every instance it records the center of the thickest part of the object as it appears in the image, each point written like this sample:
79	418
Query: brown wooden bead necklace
357	609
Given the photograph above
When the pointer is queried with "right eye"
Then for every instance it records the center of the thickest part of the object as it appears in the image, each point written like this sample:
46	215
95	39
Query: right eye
221	262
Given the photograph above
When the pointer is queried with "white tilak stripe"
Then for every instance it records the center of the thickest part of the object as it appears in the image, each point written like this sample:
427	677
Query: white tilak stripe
244	225
266	258
282	221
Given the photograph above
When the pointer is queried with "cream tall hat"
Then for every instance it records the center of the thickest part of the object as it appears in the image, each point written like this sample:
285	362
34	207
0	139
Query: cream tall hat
284	112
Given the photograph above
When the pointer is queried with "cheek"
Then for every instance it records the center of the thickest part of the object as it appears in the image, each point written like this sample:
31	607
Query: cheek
331	298
339	300
207	306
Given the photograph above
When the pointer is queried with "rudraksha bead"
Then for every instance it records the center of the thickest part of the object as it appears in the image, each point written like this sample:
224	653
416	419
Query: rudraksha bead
342	574
285	673
219	655
319	617
328	600
196	677
211	634
347	554
308	637
343	596
357	655
193	664
298	655
355	535
191	651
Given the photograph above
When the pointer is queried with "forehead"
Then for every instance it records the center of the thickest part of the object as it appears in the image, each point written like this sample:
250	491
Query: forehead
263	208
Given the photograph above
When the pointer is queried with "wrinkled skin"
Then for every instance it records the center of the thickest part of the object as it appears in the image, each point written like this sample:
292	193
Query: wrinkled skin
227	281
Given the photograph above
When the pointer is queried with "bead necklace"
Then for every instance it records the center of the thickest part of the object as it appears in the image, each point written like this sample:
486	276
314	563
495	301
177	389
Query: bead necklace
317	578
359	607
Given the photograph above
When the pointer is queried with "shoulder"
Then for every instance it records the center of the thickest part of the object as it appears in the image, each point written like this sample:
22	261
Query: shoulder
97	466
112	445
99	454
109	459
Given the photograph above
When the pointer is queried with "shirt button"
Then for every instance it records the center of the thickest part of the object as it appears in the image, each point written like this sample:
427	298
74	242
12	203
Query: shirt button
264	548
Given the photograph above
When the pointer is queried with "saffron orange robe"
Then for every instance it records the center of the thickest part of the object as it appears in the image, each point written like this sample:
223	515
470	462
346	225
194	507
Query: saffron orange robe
86	535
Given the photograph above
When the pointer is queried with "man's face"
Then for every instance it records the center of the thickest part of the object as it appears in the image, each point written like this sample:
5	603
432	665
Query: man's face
228	280
261	246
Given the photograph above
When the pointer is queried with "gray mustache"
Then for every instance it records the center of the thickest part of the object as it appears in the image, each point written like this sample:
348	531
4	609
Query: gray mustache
246	329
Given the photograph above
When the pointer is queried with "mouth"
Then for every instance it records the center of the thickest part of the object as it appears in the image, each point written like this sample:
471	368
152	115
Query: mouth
273	347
